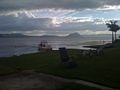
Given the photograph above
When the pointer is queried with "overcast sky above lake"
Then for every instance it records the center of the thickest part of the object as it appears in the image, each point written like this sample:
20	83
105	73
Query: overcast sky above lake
57	17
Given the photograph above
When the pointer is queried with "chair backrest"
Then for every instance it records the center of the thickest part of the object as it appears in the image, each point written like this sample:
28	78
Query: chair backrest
100	50
63	54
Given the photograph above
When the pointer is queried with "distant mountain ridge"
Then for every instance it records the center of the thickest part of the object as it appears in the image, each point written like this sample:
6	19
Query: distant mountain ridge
72	35
13	35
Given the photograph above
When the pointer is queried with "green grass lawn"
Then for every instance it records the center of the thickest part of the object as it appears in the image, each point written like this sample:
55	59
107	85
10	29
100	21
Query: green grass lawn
103	69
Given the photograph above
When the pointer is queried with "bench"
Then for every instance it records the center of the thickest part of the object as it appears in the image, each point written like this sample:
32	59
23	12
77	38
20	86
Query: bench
65	59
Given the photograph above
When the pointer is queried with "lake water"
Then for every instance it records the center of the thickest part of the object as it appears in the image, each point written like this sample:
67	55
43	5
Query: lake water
18	46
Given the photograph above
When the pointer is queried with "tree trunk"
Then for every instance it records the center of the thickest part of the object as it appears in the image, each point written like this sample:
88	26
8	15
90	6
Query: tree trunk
115	35
112	36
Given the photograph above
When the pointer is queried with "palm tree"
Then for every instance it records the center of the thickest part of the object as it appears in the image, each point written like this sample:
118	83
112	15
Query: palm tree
116	28
110	26
113	27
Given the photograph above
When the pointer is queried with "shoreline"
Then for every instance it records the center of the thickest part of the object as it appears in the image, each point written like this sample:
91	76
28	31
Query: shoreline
93	46
107	45
78	47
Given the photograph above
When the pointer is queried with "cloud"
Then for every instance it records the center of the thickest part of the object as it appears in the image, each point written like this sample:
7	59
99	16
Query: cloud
30	25
12	23
57	16
57	4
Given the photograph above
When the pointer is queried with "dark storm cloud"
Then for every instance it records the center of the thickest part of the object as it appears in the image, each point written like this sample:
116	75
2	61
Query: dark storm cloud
23	23
112	2
65	4
11	23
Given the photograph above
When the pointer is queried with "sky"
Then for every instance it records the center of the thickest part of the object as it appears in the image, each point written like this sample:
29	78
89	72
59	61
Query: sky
57	17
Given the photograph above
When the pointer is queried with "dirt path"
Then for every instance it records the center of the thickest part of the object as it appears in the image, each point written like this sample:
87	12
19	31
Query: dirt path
81	82
30	80
86	83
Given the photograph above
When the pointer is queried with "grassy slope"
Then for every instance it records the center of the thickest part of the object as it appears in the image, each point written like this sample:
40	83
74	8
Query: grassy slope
103	69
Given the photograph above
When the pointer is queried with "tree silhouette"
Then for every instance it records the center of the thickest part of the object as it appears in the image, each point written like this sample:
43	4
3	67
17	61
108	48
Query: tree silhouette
116	28
113	27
